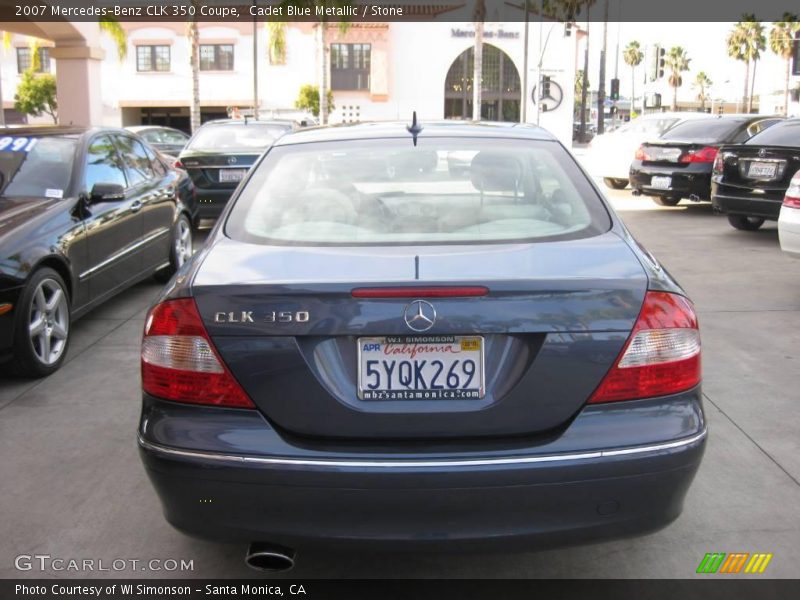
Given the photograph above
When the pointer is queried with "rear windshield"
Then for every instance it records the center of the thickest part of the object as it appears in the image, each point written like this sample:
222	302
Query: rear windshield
648	127
786	133
36	166
441	191
253	136
163	136
703	131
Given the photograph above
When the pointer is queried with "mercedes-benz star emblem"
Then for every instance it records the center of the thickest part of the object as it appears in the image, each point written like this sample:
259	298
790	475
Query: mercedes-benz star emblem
420	315
762	153
232	160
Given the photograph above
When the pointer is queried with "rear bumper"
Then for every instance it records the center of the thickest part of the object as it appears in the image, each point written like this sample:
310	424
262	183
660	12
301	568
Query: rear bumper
211	202
693	180
767	208
599	478
789	231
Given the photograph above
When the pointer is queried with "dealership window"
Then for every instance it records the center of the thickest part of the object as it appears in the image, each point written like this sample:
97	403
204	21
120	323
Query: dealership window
350	66
152	58
25	60
216	57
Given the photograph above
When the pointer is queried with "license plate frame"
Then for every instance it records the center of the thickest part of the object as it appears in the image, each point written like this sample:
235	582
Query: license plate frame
403	345
762	170
660	182
232	175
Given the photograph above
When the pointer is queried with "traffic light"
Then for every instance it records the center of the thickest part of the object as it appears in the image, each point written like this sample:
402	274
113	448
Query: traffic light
614	89
545	87
657	62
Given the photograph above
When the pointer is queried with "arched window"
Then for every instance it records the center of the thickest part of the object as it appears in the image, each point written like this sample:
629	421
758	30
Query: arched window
500	97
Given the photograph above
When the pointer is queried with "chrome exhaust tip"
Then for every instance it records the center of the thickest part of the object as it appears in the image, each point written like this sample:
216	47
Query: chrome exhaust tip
269	557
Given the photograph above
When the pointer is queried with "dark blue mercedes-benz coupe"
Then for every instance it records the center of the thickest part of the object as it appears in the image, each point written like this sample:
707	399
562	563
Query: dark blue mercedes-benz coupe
374	348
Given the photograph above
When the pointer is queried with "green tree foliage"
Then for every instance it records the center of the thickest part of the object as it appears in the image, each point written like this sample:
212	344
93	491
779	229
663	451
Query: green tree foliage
36	94
308	99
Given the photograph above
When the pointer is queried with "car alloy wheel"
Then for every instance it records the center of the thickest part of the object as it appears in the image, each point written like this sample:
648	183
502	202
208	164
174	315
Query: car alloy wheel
183	243
48	324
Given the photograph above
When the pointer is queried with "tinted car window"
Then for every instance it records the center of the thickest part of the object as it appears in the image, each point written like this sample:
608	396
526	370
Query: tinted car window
137	163
103	163
158	166
225	137
786	133
163	136
704	131
390	192
648	126
36	166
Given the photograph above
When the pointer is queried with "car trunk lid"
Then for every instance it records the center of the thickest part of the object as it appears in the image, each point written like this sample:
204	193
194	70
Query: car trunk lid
213	170
761	169
285	321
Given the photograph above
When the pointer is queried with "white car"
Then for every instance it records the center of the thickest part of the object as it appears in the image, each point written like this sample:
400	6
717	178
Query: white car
789	219
609	155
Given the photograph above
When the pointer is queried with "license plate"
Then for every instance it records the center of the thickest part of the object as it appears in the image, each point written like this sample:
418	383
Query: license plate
231	175
761	169
420	368
661	183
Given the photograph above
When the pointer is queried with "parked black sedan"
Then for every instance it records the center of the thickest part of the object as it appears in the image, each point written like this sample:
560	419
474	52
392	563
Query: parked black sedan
678	164
751	179
84	213
166	140
220	154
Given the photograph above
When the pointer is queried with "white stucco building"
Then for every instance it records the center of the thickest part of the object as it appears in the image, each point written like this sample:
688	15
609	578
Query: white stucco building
377	71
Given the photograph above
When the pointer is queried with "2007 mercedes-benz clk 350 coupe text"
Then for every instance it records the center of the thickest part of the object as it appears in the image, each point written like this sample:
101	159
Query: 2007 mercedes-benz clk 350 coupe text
372	348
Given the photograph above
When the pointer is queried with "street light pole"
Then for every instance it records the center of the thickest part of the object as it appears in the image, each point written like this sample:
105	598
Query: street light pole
601	86
539	67
525	68
255	65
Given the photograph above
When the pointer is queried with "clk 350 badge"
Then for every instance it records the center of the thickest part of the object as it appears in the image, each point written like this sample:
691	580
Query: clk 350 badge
246	316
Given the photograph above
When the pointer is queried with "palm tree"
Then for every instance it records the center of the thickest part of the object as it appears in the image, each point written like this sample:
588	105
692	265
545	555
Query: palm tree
322	46
781	42
633	56
193	34
276	47
702	82
677	62
479	16
112	27
745	42
6	46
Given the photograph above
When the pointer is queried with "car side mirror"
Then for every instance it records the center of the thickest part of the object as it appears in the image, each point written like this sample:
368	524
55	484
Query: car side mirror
106	192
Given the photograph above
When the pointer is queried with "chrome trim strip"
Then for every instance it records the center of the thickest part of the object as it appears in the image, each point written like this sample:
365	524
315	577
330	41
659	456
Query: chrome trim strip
122	253
399	464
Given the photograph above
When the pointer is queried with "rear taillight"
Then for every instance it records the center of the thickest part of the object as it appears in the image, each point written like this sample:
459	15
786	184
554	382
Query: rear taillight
178	165
661	357
179	361
719	164
792	197
641	154
704	155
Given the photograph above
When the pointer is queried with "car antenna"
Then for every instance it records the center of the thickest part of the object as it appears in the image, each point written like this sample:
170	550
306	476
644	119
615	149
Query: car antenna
414	128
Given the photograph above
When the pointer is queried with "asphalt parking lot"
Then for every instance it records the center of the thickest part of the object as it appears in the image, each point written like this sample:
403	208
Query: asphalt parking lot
73	486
